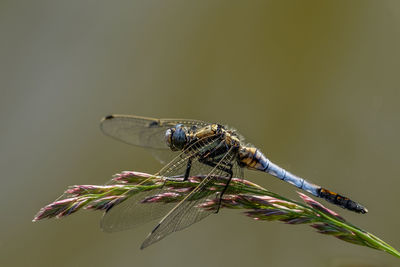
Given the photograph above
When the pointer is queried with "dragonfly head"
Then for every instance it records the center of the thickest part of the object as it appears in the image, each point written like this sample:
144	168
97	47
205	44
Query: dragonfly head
176	137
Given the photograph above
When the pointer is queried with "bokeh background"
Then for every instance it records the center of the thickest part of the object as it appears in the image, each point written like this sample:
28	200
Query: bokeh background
313	84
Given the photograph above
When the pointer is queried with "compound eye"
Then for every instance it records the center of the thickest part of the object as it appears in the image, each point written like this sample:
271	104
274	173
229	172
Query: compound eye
178	137
168	136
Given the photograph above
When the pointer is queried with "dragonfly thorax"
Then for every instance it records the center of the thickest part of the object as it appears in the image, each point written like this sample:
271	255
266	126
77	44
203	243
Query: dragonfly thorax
181	137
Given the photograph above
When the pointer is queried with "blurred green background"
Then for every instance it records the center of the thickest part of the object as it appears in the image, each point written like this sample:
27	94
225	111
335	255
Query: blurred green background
313	84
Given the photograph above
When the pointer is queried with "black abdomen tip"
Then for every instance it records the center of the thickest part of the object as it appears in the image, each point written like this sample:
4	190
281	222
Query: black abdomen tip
109	117
342	201
354	206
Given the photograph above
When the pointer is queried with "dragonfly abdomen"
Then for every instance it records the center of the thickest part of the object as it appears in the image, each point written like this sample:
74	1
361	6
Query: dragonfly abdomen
252	158
288	177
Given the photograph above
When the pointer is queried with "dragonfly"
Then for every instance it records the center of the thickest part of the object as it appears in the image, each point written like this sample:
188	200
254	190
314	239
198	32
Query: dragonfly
201	148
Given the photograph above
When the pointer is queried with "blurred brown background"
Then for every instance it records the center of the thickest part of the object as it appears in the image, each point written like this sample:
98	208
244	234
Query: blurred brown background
313	84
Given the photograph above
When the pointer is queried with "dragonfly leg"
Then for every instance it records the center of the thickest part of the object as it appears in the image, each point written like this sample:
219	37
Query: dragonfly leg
188	167
225	187
228	170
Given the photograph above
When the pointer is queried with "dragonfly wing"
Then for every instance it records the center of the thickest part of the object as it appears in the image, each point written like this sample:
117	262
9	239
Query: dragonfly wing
134	210
198	204
142	131
163	155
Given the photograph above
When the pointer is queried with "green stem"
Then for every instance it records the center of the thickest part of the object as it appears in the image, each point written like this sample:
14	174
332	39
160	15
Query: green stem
374	241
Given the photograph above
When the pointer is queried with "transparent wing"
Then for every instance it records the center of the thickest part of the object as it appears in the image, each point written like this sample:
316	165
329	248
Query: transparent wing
135	210
198	204
142	131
